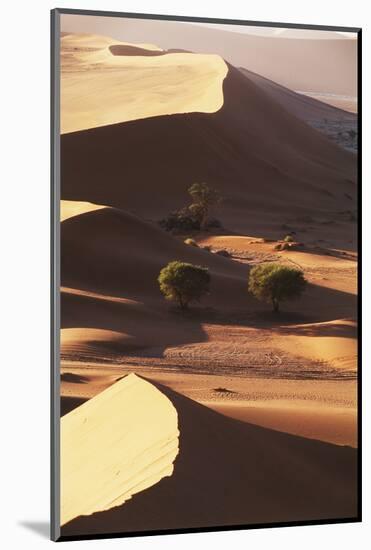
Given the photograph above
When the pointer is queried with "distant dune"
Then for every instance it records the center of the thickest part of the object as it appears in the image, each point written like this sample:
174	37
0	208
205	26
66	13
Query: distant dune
119	443
228	473
325	65
263	159
302	106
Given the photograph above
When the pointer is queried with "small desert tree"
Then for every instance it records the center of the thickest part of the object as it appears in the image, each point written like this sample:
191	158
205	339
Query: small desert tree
183	282
276	283
204	198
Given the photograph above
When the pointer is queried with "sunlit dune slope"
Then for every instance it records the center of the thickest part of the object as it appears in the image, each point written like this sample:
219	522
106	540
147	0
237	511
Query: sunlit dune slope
229	472
100	86
265	161
77	43
68	209
100	327
333	341
119	443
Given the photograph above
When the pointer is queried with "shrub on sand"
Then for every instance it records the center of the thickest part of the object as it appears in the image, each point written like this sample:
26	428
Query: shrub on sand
184	282
276	283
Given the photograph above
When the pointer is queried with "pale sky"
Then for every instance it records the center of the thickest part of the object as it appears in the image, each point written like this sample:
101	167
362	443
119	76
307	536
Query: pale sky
279	31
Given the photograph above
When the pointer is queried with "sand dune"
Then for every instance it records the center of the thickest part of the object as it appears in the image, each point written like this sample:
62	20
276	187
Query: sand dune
315	408
303	106
118	245
133	86
76	43
101	328
93	343
103	251
129	49
116	445
68	209
276	171
334	341
171	119
229	473
328	65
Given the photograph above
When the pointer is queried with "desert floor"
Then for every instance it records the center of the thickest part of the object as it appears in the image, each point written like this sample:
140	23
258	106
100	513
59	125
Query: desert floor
278	372
267	400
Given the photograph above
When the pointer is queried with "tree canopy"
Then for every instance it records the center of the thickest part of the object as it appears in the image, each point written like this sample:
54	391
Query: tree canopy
276	283
183	282
204	198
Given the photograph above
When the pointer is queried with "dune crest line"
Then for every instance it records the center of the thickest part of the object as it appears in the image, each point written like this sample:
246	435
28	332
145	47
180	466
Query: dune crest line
115	445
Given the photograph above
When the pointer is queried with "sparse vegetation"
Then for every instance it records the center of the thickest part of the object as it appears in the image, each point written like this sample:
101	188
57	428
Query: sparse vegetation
179	222
204	198
194	217
190	242
288	239
184	282
276	283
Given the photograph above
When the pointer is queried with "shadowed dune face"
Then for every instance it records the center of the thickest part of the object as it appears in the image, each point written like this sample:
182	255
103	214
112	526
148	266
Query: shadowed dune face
104	250
99	328
302	106
119	245
229	472
109	312
273	171
119	49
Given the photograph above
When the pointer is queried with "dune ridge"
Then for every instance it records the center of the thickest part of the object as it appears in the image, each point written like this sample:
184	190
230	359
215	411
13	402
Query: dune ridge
282	169
309	64
140	125
145	82
230	472
113	447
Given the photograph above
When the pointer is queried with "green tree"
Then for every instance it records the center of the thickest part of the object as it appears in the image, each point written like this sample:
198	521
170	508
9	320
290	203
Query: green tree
276	283
183	282
204	198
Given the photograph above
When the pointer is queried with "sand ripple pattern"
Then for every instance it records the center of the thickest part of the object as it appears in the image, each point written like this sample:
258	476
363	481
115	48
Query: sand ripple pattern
225	359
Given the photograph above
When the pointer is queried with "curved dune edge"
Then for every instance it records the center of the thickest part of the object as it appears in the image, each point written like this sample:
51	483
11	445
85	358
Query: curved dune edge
115	445
230	472
69	209
87	40
134	87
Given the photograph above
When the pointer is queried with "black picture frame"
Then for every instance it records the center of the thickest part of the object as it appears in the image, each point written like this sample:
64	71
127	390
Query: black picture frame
55	269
